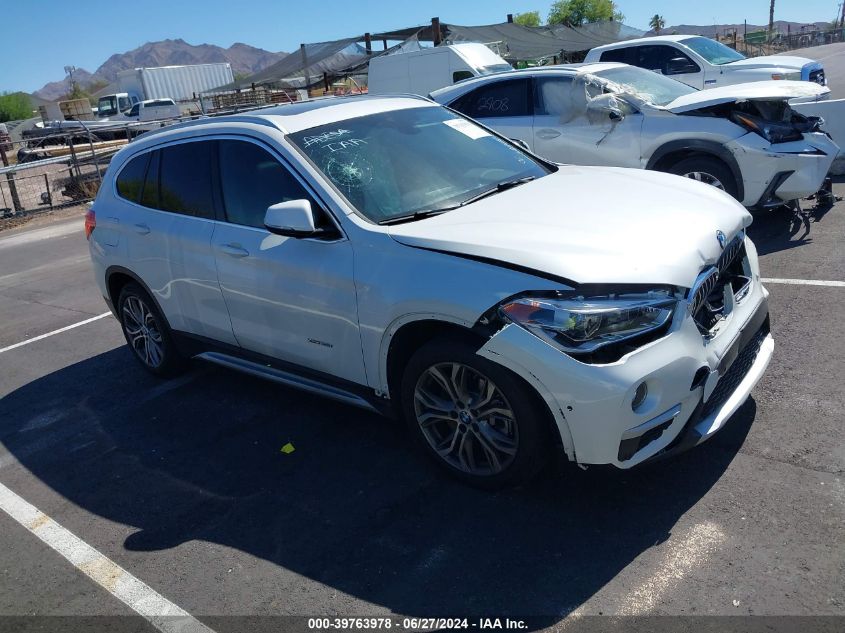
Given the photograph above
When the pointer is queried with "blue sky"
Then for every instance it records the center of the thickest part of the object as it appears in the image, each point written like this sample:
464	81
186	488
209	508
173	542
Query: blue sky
40	38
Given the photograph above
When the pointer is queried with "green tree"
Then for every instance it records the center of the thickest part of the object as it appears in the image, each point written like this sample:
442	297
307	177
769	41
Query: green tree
14	106
529	18
579	12
657	23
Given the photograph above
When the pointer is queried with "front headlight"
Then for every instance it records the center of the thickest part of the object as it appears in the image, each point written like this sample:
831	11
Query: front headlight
585	324
772	131
788	76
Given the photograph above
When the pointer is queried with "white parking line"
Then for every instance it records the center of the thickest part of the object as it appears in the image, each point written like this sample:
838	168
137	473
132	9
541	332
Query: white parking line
803	282
158	610
684	555
54	332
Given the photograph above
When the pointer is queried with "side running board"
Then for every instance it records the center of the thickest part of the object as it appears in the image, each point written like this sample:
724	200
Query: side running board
288	379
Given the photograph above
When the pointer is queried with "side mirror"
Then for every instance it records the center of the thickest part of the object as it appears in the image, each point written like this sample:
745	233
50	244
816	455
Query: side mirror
291	219
679	65
604	106
521	143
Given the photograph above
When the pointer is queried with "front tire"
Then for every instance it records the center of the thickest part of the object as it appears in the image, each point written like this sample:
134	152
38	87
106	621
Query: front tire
708	170
478	420
147	332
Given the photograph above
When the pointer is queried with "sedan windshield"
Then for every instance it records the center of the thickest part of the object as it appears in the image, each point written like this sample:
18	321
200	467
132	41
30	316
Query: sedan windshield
421	161
646	84
714	52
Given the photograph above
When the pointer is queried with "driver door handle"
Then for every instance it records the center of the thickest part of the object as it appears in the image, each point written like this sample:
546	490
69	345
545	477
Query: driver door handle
141	229
234	250
548	133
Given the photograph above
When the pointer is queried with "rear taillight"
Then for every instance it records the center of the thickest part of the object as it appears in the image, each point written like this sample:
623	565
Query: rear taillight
90	223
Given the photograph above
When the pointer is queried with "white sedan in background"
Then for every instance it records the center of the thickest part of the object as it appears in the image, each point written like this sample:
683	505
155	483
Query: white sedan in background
744	139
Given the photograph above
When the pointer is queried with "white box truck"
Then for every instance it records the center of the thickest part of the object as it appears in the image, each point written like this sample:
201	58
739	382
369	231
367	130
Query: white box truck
179	83
425	70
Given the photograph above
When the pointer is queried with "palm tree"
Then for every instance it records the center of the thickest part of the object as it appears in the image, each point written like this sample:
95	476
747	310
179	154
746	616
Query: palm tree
657	23
771	18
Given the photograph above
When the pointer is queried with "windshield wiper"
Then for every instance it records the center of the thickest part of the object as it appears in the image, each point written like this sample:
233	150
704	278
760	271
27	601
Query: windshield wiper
412	217
427	213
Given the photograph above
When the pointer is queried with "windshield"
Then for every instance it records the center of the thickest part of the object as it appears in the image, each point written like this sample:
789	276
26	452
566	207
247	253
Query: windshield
714	52
107	106
392	164
646	84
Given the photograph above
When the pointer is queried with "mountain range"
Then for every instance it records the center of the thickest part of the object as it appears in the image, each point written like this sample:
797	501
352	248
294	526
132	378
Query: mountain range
245	59
708	30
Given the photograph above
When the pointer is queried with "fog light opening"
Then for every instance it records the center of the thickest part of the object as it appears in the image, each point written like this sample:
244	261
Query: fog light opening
639	396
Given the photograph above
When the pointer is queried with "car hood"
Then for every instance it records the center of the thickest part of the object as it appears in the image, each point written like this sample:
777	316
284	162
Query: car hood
591	225
771	61
757	90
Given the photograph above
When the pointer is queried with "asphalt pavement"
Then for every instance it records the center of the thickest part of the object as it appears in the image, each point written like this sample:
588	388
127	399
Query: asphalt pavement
183	485
832	57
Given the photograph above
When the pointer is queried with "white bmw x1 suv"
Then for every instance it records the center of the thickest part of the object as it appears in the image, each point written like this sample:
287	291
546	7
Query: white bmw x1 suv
388	253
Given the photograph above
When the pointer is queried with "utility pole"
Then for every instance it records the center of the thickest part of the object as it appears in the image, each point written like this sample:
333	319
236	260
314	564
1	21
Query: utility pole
69	70
842	15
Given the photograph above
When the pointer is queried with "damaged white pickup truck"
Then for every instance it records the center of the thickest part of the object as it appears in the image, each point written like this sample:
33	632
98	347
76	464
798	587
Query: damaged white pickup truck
745	139
391	254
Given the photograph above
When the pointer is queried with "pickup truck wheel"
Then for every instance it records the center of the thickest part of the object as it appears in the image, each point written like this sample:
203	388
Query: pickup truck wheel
475	418
710	171
147	332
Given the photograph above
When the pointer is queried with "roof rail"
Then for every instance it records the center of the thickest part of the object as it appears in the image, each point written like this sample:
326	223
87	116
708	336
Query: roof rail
237	118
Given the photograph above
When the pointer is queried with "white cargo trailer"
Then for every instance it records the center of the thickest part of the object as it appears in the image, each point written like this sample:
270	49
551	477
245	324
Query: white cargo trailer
179	83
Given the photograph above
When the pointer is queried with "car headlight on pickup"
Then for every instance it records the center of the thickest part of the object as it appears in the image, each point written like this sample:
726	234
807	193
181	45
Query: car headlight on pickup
582	325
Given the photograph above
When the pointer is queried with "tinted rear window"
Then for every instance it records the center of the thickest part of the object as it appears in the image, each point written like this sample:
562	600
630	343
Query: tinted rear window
131	178
186	181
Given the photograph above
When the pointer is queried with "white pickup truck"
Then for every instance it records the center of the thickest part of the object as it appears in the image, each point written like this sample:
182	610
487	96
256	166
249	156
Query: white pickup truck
152	110
705	63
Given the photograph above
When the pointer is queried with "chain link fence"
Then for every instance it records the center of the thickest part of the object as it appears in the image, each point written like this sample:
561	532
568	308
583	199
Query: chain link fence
54	168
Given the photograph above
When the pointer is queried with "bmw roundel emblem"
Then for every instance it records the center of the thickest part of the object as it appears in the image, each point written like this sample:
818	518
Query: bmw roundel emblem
722	239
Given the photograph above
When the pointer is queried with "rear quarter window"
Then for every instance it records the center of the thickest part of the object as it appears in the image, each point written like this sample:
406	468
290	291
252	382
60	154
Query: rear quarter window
130	181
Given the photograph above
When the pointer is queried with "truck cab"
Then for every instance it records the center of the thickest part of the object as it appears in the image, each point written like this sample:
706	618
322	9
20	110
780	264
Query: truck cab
420	72
113	104
703	63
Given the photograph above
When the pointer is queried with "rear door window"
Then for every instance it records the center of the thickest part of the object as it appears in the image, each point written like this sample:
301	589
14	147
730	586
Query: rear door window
130	181
186	181
627	55
511	98
149	196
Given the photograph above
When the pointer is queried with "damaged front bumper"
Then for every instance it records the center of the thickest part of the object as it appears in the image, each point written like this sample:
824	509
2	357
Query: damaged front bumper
777	173
694	384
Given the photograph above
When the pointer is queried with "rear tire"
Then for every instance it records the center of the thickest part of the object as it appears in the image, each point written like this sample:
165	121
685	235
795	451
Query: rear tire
708	170
479	421
147	332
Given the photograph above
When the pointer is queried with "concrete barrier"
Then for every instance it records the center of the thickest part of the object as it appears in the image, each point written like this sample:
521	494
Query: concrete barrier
833	113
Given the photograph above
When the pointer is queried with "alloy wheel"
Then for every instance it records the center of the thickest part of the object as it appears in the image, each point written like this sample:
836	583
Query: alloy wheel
143	332
707	179
466	419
